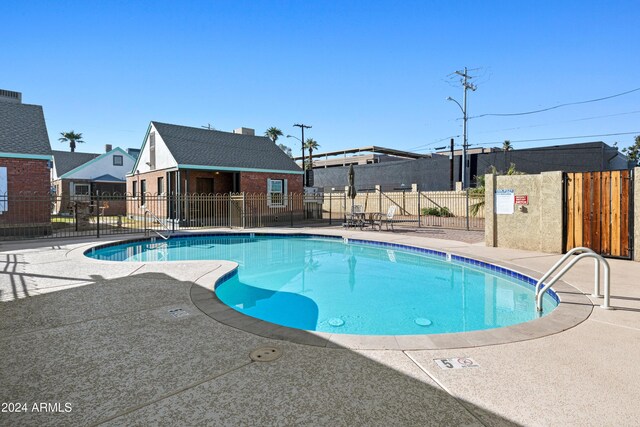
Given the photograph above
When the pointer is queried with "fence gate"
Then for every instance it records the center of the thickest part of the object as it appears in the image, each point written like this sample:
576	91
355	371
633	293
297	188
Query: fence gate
598	212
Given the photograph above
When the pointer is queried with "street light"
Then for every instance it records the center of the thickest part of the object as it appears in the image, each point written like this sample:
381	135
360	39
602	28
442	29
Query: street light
302	128
295	137
464	139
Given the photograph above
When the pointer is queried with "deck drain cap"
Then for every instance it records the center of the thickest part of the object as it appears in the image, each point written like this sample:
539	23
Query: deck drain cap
421	321
336	321
265	354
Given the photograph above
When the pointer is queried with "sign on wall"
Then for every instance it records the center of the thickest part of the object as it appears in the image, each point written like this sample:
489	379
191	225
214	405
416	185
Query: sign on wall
504	202
4	203
522	200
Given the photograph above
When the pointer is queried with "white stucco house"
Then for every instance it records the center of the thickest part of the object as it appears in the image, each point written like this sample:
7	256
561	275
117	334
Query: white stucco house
82	176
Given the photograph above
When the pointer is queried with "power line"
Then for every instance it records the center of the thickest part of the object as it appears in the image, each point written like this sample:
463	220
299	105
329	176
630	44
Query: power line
564	121
560	138
556	106
433	143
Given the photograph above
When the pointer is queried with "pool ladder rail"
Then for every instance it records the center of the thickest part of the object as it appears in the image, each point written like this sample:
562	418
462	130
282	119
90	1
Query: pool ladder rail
587	253
147	229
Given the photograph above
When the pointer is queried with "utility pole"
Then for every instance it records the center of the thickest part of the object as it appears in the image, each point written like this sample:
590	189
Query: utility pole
451	163
465	85
304	171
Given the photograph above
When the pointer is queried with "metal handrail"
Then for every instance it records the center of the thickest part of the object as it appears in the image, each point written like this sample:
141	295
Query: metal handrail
562	260
146	229
607	279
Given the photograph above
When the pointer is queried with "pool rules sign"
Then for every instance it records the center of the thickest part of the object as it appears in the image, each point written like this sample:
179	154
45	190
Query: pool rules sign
504	202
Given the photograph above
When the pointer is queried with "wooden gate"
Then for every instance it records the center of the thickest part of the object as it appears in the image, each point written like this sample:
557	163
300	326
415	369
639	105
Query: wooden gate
598	212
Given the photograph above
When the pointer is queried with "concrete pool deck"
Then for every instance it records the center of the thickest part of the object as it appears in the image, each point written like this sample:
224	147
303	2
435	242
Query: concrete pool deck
101	337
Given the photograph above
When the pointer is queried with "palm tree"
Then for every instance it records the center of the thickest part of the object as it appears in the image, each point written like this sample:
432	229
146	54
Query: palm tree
311	145
273	133
72	138
506	146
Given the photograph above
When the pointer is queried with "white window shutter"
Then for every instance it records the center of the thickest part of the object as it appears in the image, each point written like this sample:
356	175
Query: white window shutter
268	192
285	189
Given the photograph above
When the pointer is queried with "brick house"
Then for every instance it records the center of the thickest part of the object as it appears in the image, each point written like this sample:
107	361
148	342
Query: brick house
25	157
80	177
179	161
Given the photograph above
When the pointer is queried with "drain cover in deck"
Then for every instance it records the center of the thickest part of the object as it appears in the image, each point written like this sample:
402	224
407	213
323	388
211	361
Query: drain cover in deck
178	312
265	354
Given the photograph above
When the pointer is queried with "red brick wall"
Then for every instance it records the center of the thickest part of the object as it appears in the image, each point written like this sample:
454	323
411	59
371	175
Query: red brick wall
222	181
153	202
31	178
256	182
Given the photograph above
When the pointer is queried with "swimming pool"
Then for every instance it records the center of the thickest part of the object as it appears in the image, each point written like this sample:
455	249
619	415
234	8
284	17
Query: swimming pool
328	284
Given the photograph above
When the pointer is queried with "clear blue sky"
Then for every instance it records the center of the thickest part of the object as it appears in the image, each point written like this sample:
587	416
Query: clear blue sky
361	72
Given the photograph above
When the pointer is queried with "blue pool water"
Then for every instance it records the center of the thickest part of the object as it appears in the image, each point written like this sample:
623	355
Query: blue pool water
323	284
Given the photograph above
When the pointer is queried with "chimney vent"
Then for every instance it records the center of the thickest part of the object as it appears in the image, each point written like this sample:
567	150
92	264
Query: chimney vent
107	148
10	96
245	131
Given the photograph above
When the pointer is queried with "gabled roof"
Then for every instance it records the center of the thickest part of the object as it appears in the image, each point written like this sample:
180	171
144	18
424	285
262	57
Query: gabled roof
66	161
23	131
89	160
211	149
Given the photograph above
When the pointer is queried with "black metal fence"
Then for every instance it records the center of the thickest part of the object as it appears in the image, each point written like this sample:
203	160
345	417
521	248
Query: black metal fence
44	216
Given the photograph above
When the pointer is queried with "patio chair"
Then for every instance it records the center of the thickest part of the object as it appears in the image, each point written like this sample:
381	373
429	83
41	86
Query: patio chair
375	220
356	217
389	218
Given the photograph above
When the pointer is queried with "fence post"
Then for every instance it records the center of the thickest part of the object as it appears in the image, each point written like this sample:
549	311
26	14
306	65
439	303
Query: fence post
291	208
244	211
467	209
330	210
229	211
174	204
344	212
98	213
419	210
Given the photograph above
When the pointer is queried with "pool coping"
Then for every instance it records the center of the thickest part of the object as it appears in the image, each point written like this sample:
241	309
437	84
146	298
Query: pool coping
574	307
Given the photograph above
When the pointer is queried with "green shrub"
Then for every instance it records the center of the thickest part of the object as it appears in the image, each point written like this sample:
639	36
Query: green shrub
437	211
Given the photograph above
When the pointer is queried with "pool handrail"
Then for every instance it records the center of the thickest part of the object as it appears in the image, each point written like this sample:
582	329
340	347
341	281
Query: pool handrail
587	254
561	261
146	230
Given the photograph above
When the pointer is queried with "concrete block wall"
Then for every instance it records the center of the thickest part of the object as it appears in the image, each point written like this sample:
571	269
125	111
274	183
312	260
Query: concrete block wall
538	226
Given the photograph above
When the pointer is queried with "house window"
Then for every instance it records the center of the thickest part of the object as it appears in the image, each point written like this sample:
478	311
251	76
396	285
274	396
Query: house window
81	189
134	190
161	185
276	192
118	160
143	191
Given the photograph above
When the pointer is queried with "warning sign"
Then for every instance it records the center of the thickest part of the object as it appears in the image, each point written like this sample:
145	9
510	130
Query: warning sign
522	200
456	363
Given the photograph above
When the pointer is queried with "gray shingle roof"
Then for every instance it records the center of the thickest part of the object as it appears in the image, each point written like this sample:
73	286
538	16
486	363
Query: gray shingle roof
203	147
65	161
23	129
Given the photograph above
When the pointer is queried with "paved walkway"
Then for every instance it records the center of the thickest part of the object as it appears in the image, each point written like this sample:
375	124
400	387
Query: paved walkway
99	337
